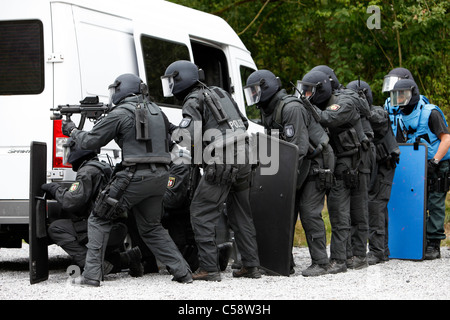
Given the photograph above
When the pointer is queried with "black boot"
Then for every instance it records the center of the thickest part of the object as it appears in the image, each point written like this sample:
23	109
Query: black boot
132	258
433	250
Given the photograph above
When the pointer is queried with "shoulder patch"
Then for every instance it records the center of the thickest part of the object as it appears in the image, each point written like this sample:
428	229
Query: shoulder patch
185	122
334	107
289	131
74	186
171	182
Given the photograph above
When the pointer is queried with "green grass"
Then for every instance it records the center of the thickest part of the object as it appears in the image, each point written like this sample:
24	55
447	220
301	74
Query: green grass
300	239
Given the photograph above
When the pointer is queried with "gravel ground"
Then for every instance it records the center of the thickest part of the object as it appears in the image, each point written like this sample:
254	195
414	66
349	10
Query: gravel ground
392	280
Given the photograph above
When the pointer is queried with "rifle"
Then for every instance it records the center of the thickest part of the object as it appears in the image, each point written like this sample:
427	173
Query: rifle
89	107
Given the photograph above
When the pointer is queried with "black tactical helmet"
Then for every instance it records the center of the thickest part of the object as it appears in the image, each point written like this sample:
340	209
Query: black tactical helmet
261	86
358	85
405	94
393	76
316	86
330	73
125	85
75	156
179	77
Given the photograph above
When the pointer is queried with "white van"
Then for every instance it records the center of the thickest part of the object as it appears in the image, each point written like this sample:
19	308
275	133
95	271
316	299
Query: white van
59	52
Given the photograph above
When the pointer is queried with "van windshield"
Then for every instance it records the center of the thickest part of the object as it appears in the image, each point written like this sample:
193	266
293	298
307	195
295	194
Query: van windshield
21	57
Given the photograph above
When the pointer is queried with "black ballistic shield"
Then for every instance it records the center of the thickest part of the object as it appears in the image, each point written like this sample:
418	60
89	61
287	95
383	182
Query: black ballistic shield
272	198
38	242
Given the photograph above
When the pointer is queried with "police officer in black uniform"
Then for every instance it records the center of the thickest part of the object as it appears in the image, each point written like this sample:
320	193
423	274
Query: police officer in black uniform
141	130
211	123
339	114
297	125
359	209
76	203
387	157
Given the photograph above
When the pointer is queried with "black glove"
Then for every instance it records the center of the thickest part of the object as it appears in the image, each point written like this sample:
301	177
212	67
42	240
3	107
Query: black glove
67	127
432	168
50	188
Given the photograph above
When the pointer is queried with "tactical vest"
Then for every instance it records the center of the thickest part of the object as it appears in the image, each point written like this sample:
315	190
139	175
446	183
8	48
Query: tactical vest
417	125
384	140
346	139
396	118
222	113
147	141
318	138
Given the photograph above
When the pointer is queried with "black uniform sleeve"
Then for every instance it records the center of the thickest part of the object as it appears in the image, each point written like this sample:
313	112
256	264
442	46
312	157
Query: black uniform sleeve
75	200
177	188
436	123
295	124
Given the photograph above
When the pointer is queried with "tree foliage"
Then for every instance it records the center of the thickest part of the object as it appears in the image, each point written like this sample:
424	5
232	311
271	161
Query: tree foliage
289	37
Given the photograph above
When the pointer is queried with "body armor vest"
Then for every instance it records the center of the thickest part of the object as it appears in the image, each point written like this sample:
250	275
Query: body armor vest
222	113
318	138
147	141
384	139
396	118
346	139
417	126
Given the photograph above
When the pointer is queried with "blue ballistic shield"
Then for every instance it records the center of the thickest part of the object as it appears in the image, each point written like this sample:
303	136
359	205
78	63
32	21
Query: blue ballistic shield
272	198
407	204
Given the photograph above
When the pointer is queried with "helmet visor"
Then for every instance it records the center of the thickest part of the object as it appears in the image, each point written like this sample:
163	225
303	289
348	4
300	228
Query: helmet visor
252	93
389	82
305	89
401	97
112	90
167	85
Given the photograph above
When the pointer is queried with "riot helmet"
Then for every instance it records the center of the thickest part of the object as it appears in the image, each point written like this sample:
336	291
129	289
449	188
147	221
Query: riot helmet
179	77
316	87
359	85
393	76
125	85
405	94
261	86
74	155
330	73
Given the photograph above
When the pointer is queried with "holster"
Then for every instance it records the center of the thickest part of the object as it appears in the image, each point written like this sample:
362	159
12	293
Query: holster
351	178
110	207
220	173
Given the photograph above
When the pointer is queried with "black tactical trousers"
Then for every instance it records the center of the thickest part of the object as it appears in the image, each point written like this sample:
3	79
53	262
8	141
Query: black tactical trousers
436	204
338	202
310	207
379	195
143	197
206	214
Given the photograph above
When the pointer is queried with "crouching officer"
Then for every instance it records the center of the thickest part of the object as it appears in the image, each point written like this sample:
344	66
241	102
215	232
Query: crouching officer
297	125
77	202
141	130
211	123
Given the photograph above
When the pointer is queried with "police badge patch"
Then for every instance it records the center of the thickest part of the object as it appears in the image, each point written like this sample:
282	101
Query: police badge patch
289	131
171	182
185	122
334	107
74	186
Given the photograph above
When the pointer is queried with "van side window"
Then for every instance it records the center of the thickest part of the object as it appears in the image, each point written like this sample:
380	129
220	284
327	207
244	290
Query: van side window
253	113
158	55
214	64
21	57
